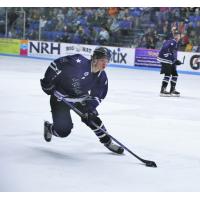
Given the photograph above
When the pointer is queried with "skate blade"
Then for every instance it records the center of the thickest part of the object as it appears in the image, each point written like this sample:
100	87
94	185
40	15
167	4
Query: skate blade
175	95
165	95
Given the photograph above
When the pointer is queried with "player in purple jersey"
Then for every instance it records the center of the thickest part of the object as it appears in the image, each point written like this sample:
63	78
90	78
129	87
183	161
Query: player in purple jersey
78	78
168	59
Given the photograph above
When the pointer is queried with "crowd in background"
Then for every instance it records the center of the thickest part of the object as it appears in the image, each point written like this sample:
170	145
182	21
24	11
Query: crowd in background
128	27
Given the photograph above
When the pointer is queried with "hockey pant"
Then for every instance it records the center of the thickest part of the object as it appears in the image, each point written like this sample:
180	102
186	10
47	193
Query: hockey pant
62	121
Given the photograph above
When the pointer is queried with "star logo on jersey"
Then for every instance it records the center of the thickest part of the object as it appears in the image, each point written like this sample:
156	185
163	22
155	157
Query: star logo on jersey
78	60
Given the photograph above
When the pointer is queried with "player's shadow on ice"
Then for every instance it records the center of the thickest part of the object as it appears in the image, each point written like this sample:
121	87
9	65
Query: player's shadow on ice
48	155
65	155
104	153
55	154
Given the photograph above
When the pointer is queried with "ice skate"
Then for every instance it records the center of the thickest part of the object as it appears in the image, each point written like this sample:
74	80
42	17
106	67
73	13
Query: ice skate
47	131
164	93
114	148
175	93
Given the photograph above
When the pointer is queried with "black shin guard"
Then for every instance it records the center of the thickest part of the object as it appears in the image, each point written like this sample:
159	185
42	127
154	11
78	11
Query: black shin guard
165	83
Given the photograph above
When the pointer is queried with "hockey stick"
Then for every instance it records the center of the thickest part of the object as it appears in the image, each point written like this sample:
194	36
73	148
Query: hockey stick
77	111
183	60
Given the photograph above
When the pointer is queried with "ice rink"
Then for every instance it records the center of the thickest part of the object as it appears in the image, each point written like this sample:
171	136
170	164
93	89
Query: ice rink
165	130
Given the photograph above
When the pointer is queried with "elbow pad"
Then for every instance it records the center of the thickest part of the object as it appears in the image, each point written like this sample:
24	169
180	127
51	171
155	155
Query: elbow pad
47	87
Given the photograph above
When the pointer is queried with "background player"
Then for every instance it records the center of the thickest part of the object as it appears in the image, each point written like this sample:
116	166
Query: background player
168	59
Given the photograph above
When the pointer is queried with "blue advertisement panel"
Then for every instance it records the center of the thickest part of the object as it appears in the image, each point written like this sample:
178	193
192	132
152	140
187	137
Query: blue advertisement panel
146	57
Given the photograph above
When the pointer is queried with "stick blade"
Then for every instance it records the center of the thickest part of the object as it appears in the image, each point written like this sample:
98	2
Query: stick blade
150	164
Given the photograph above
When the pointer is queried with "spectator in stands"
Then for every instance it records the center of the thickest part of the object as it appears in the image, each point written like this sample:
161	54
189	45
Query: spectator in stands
32	35
198	43
142	43
190	28
112	12
60	15
184	41
121	13
159	42
78	36
166	27
133	20
103	36
188	47
60	24
43	21
151	38
181	26
114	30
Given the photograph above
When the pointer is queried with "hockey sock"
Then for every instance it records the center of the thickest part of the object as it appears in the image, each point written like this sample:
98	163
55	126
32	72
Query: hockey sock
165	82
101	135
173	83
52	131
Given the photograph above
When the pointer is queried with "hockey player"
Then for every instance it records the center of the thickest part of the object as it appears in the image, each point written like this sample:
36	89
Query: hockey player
76	77
168	59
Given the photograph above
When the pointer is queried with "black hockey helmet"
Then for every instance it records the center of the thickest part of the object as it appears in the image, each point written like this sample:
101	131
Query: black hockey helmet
101	52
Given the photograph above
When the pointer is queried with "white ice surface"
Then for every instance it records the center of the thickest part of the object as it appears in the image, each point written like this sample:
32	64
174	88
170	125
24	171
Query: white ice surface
165	130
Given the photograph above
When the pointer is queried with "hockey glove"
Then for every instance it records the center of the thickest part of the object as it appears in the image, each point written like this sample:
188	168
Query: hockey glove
89	117
47	87
89	113
92	103
178	62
